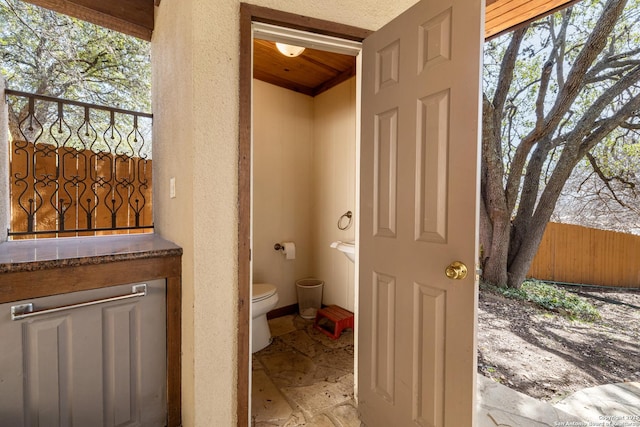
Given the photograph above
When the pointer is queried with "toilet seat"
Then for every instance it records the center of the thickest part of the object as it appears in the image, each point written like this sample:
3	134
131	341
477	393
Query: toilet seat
262	291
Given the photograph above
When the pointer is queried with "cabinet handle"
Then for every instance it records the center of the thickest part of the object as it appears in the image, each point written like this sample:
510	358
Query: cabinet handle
24	311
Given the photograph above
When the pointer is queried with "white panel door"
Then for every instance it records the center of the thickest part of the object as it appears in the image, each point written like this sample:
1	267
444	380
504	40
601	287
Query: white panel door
98	365
419	203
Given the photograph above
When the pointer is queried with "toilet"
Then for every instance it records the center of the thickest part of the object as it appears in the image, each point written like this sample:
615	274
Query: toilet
263	299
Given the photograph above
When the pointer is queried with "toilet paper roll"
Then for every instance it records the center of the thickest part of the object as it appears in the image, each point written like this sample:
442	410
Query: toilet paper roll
289	250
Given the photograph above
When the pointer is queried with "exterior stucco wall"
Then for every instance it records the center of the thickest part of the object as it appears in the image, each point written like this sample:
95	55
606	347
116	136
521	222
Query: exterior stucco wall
173	147
4	165
195	104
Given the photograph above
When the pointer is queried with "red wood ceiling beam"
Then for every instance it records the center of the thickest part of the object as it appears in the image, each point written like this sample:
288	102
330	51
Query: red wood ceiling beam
506	15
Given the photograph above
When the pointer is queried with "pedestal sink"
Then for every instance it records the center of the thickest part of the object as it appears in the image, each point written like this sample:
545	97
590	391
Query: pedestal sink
347	248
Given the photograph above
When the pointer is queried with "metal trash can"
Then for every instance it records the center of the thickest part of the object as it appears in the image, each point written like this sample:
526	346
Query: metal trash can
309	297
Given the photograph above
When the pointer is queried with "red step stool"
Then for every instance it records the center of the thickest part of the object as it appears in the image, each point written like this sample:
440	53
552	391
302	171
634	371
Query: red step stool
340	317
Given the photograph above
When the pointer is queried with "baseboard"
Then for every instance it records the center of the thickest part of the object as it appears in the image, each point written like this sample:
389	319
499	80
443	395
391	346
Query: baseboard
283	311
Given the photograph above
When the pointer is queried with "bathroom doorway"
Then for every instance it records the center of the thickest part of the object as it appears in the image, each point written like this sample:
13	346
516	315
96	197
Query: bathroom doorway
305	140
412	308
250	14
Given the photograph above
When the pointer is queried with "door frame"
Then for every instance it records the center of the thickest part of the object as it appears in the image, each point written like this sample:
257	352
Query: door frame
249	14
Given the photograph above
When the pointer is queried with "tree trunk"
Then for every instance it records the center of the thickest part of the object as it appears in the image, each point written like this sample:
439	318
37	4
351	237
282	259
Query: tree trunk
495	221
494	264
516	202
523	248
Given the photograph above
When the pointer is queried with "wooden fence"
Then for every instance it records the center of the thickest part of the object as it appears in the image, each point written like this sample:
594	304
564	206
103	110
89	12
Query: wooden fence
77	169
575	254
82	169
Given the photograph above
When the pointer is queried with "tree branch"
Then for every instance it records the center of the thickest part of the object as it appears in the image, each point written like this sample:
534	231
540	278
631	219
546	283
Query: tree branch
606	126
590	119
560	42
607	180
596	42
542	92
506	70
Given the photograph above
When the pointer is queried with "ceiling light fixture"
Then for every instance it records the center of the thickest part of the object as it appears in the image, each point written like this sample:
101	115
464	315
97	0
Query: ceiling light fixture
289	50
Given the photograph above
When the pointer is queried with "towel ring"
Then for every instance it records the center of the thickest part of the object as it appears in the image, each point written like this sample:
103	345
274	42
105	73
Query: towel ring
349	216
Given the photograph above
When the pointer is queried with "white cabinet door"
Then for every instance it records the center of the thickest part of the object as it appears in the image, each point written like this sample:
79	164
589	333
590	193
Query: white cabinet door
98	365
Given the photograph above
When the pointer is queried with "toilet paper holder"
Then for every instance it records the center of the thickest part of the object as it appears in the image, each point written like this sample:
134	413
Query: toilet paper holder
288	249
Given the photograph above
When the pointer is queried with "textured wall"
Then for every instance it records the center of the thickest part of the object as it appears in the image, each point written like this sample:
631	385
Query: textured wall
4	165
173	154
304	172
334	189
195	103
282	186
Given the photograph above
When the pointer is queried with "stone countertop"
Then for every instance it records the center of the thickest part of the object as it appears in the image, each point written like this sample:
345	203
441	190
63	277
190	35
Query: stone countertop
41	254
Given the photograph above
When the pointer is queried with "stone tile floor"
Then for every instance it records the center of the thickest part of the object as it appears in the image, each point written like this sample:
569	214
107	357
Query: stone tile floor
303	378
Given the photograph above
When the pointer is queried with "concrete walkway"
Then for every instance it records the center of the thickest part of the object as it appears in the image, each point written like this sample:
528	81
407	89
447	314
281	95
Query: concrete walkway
499	405
619	404
608	405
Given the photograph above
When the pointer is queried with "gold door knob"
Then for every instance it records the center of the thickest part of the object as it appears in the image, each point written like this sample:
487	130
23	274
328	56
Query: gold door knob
456	271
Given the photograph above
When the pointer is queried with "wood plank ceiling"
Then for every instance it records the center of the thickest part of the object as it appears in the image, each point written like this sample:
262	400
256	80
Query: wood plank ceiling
505	15
312	72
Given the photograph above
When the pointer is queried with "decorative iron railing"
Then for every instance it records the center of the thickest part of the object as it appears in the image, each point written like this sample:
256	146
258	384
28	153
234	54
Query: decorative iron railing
77	169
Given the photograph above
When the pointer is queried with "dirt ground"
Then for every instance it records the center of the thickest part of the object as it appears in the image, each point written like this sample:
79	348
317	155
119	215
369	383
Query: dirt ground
547	356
